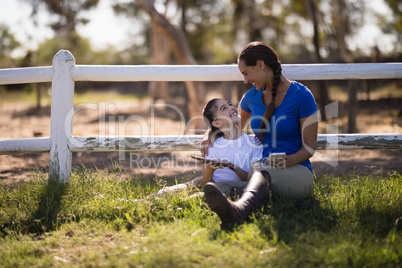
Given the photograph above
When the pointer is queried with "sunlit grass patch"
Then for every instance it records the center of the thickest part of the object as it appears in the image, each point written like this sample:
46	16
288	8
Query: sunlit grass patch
102	219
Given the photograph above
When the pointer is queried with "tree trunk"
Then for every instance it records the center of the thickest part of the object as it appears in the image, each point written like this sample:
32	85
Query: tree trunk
158	89
342	26
247	9
255	28
342	20
181	51
322	87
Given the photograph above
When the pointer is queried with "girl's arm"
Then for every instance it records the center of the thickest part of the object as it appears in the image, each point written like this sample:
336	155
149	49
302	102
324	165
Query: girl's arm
210	169
241	173
309	130
207	174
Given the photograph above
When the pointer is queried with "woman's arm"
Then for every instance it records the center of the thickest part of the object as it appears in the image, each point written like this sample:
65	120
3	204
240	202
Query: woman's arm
205	143
309	130
244	118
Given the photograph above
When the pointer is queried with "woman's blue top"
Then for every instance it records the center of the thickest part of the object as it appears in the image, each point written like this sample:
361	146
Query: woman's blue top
283	132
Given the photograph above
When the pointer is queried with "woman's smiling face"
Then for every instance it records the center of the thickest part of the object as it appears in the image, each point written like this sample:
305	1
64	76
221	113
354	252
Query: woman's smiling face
257	75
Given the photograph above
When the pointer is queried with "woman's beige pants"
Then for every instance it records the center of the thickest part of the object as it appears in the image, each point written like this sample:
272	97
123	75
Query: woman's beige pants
295	182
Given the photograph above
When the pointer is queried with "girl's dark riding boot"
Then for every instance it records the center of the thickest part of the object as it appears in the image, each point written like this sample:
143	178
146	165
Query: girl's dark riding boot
230	213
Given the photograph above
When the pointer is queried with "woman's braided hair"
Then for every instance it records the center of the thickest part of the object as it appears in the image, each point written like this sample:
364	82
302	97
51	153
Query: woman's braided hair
253	52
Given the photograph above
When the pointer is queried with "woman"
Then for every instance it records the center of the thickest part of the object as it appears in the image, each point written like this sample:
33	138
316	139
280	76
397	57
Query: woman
283	115
233	148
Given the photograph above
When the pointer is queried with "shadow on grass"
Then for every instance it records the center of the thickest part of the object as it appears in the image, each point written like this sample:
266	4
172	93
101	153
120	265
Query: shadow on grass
380	222
291	220
45	218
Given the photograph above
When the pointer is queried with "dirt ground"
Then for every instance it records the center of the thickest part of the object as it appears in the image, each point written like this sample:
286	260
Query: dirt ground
134	118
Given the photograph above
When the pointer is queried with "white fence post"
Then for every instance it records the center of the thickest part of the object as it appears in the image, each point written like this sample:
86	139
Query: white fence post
62	103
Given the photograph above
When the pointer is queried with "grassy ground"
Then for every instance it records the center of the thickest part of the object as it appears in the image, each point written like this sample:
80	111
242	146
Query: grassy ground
99	219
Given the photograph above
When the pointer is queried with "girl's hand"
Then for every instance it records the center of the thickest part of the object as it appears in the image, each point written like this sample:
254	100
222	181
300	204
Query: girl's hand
228	164
220	164
212	166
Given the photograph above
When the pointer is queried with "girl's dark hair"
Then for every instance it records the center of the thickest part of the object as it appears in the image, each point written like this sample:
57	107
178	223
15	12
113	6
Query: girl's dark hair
253	52
209	114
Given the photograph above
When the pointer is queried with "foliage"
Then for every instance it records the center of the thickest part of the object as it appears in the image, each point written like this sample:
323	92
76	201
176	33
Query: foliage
8	43
216	30
396	9
67	13
393	25
99	219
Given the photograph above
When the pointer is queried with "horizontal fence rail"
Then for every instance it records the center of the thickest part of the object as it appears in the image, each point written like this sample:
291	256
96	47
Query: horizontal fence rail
26	75
64	73
106	73
187	143
193	142
27	146
231	72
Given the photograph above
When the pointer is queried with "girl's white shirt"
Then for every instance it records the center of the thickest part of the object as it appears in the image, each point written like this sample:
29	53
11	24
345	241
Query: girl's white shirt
241	152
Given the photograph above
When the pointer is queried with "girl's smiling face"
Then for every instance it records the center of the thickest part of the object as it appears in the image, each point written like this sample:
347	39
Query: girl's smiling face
226	114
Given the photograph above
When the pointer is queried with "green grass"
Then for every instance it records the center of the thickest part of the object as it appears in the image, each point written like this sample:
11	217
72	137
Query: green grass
99	219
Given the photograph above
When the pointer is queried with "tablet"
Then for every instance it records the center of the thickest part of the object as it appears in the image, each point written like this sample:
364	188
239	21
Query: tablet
209	161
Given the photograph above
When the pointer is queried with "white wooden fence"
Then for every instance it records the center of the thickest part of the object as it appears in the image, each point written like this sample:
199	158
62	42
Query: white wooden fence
61	144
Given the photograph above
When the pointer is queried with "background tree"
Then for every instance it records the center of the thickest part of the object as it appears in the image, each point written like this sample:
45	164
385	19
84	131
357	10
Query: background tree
322	85
8	44
68	13
309	11
346	18
215	31
182	53
66	17
393	26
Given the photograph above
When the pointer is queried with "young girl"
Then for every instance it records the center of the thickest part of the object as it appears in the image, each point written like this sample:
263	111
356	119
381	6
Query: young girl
232	147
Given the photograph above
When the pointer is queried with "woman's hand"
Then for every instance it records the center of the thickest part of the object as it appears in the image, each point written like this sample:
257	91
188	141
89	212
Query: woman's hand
204	147
309	129
283	162
205	143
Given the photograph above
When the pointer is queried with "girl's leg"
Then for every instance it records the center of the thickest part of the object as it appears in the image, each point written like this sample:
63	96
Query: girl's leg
227	187
190	185
254	196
